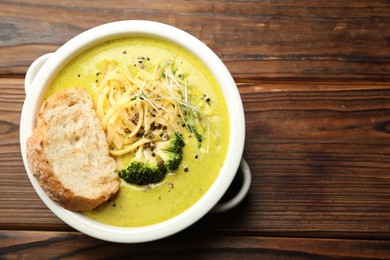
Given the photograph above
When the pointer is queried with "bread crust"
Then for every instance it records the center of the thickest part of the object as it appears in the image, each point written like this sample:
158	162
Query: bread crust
41	166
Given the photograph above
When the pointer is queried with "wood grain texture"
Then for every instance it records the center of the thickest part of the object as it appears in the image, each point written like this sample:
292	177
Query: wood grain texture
346	40
64	245
319	154
314	79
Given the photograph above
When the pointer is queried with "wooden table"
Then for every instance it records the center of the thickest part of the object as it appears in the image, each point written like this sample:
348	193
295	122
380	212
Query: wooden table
314	77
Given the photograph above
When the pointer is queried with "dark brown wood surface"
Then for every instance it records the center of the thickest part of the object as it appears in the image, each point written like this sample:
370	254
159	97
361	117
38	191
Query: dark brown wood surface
314	77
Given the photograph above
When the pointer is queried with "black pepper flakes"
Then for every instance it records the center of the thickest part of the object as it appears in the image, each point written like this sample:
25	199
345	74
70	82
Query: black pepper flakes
186	169
160	163
196	156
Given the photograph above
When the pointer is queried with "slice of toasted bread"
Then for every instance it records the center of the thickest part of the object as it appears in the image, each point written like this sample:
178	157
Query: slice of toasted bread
68	152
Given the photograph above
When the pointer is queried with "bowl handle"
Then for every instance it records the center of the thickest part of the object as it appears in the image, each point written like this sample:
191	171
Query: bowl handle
247	178
33	71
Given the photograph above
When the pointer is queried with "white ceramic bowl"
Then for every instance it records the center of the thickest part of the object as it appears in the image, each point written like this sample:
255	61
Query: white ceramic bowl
43	71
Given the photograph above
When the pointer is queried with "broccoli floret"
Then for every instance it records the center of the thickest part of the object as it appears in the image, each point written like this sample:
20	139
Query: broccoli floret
151	164
171	151
144	169
142	174
171	159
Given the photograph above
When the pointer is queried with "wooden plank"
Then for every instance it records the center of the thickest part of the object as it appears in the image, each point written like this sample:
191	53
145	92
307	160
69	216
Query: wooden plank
319	154
20	206
259	40
15	245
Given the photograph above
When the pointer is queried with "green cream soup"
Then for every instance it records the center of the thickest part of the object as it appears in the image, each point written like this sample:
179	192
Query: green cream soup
134	205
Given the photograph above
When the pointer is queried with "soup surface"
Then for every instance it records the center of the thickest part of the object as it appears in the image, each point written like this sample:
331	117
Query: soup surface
145	205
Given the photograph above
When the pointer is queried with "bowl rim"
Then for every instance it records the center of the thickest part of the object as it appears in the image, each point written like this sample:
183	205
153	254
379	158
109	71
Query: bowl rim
128	28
